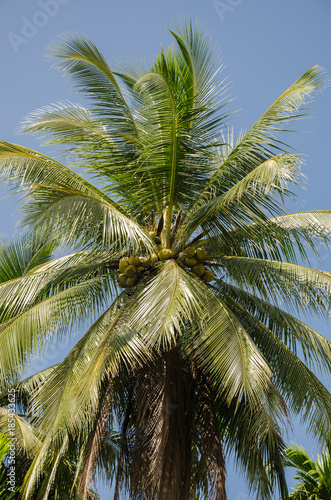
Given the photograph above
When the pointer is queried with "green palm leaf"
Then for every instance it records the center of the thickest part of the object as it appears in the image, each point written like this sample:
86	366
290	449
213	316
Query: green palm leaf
310	398
59	195
25	435
80	59
63	404
295	285
255	146
313	476
315	349
224	347
276	238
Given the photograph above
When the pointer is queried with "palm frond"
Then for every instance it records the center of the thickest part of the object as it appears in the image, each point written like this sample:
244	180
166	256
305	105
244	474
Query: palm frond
65	204
298	336
174	297
277	238
89	145
313	476
24	434
259	143
80	59
198	59
70	392
19	257
101	351
220	335
66	123
304	392
31	330
281	282
250	198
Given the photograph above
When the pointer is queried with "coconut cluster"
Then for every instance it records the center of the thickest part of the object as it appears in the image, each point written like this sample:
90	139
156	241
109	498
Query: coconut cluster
193	258
131	269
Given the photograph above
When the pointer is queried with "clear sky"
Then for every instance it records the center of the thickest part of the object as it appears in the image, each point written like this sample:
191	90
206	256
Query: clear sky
266	45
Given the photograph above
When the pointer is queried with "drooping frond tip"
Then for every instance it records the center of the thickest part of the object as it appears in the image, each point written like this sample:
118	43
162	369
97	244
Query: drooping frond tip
300	93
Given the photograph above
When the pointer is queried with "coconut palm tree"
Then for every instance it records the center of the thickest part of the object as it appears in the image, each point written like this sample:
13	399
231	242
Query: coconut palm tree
314	476
178	257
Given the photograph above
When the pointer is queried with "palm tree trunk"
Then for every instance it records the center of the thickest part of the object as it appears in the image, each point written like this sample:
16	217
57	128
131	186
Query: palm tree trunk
213	446
174	453
190	402
171	400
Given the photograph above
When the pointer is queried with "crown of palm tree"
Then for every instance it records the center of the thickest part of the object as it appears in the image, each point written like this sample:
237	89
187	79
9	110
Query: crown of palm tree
313	476
195	353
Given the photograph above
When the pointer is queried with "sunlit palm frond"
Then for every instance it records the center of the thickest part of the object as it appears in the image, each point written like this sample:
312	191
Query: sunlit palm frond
101	351
281	282
80	59
259	144
249	199
45	280
174	297
25	435
70	393
65	204
304	393
180	118
18	257
67	123
33	329
88	144
277	238
299	337
197	59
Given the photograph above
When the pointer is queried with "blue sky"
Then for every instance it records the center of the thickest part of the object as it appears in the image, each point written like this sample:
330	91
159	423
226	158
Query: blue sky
266	45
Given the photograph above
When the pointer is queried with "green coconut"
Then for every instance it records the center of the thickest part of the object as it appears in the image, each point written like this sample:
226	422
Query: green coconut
123	263
190	251
163	254
129	281
198	270
166	254
122	280
200	253
134	261
145	262
208	276
151	234
140	268
191	262
130	271
154	258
